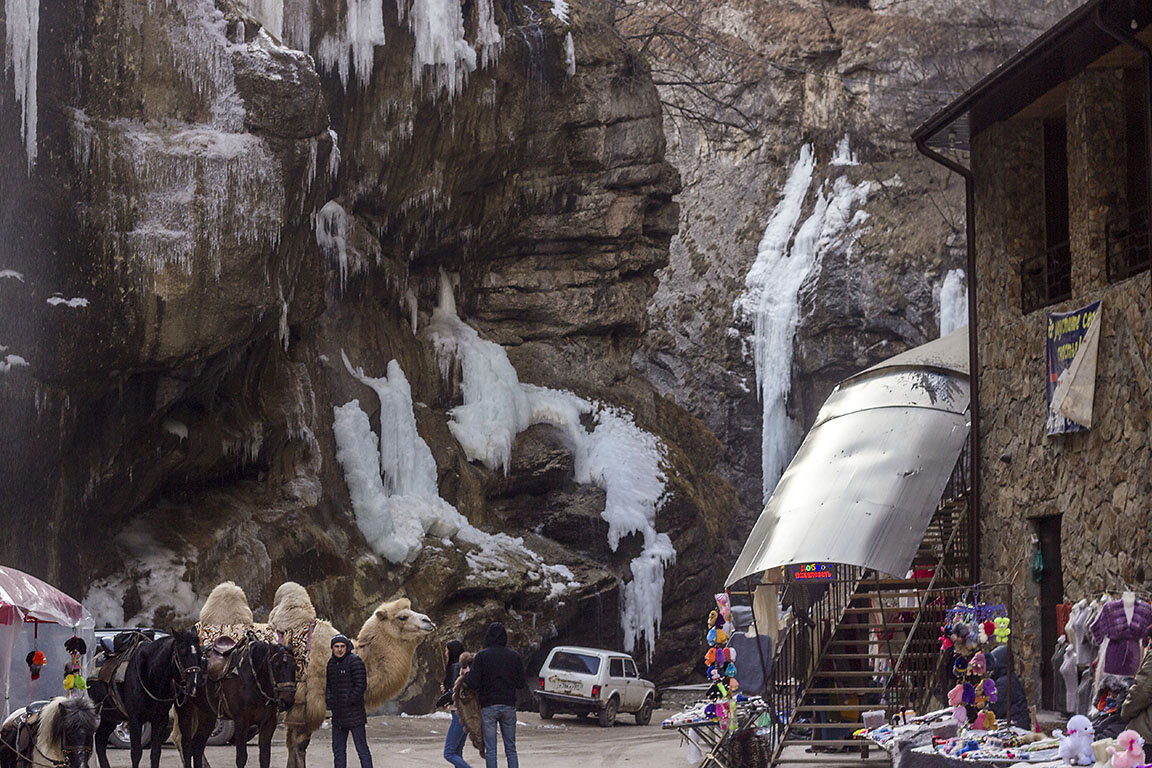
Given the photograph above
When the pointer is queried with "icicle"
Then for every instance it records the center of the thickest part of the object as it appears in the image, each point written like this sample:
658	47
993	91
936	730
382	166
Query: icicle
569	55
352	48
270	14
438	28
488	38
21	57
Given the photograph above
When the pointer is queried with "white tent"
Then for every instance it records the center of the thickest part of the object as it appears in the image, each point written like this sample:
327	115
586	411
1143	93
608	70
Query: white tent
35	615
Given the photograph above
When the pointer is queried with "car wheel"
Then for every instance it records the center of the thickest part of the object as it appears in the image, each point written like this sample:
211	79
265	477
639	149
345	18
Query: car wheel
221	733
644	714
608	714
545	709
121	739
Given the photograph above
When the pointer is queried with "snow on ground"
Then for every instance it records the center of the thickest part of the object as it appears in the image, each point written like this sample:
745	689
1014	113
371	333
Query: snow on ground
785	258
615	455
953	311
74	303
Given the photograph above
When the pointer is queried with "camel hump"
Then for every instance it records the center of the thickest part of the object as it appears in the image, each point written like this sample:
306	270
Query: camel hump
226	604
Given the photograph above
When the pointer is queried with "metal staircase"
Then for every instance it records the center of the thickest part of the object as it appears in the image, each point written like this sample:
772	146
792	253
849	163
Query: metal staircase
867	643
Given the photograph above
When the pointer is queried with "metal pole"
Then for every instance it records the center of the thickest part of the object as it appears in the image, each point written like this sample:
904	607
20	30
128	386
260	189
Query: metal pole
973	356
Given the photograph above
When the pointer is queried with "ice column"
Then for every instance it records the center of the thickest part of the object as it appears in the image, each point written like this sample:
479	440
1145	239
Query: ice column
953	301
21	53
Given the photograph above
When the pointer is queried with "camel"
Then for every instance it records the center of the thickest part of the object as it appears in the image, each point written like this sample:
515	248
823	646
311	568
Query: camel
387	643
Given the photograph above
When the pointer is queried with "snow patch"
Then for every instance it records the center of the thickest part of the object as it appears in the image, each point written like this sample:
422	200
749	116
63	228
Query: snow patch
12	361
21	55
74	303
844	154
785	258
174	427
158	574
569	55
11	274
953	310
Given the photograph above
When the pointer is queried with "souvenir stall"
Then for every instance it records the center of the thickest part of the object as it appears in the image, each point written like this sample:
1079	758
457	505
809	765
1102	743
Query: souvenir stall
46	639
711	727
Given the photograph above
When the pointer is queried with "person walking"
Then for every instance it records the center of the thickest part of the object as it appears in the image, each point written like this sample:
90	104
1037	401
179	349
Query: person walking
496	674
454	741
344	695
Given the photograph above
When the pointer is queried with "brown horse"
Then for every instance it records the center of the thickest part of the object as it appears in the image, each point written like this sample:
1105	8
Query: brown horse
259	683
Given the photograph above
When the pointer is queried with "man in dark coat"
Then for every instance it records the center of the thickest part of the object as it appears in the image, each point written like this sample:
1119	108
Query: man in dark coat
1001	675
344	694
496	674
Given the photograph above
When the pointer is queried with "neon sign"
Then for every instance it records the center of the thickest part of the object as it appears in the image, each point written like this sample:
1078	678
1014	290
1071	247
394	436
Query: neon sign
812	572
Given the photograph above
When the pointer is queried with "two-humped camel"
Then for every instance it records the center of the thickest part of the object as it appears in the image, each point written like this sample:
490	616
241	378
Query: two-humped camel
387	643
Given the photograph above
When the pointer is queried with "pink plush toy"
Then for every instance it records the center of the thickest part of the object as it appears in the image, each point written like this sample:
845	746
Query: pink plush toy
978	665
1131	753
956	695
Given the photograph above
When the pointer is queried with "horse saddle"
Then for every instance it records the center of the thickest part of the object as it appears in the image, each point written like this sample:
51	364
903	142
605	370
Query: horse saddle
219	657
26	727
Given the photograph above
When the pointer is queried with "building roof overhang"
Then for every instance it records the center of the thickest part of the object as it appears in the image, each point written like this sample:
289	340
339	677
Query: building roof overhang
1074	44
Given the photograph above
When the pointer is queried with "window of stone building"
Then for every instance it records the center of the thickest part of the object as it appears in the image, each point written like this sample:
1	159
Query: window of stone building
1046	278
1128	250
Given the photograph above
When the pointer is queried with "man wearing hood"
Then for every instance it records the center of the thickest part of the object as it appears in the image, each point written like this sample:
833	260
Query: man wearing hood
496	674
1001	675
344	695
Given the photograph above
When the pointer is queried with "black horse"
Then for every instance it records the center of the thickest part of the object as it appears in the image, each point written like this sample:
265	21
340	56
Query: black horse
159	673
260	683
59	734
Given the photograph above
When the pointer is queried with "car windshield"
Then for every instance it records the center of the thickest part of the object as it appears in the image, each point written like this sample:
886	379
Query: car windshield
567	661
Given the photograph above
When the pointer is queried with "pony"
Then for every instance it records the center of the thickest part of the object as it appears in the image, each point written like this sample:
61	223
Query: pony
158	674
60	734
259	683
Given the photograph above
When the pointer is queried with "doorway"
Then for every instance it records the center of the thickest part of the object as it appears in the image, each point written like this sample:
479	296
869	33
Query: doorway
1051	595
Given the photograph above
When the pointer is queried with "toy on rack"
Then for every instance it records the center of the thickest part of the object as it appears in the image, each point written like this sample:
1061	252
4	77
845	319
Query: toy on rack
74	682
970	629
1076	744
721	663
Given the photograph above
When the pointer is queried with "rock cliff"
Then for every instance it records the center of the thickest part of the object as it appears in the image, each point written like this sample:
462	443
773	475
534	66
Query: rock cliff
770	299
246	211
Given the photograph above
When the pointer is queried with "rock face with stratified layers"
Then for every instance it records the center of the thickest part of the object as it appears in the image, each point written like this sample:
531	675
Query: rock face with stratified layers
229	202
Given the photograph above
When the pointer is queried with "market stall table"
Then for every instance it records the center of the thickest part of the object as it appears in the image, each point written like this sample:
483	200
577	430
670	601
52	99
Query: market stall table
706	731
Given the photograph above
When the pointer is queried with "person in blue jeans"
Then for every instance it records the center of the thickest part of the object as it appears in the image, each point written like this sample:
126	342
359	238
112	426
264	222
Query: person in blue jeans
496	674
454	741
344	695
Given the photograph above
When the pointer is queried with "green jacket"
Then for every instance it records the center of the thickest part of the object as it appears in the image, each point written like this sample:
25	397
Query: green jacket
1137	709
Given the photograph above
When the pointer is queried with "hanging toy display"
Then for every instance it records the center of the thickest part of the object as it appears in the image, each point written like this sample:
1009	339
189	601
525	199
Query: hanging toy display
971	628
721	663
74	681
36	662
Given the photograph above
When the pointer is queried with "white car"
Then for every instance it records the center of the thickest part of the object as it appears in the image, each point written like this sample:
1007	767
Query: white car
591	680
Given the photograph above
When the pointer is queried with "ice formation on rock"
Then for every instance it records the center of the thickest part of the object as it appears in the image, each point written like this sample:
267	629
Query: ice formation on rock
331	227
74	303
21	52
438	28
351	48
953	312
844	154
561	10
157	574
616	455
270	14
569	55
785	258
11	361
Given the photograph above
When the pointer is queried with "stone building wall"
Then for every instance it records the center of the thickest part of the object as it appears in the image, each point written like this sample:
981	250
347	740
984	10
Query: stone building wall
1098	480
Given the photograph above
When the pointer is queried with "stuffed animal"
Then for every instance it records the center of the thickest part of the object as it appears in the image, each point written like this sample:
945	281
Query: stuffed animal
1002	629
960	714
978	665
1076	744
725	606
1131	752
956	696
985	721
989	689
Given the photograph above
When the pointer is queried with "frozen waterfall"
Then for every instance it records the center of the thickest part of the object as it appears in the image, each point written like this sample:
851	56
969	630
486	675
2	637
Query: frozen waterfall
785	258
616	455
953	311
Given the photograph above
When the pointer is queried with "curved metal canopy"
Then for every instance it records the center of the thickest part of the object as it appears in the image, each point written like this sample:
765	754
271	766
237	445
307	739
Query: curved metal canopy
863	486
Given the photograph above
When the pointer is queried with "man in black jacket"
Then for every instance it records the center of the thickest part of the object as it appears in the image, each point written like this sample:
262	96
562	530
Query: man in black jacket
344	694
496	674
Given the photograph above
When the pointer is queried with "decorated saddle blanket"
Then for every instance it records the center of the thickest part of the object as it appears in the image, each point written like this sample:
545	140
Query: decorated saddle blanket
298	640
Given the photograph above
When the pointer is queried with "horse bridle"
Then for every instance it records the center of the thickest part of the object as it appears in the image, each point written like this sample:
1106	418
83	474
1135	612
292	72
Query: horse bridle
189	679
277	687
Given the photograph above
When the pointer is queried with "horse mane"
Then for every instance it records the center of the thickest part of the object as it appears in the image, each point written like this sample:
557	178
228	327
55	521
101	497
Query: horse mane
226	604
291	608
56	719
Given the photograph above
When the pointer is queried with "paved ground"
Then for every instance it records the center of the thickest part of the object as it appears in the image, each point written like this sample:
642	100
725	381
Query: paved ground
408	742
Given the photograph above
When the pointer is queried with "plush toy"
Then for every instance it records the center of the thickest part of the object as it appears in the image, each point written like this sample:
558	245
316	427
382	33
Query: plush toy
710	657
1076	744
969	695
978	665
956	696
989	689
985	721
989	628
960	715
713	617
725	606
959	666
1002	629
35	661
1131	752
